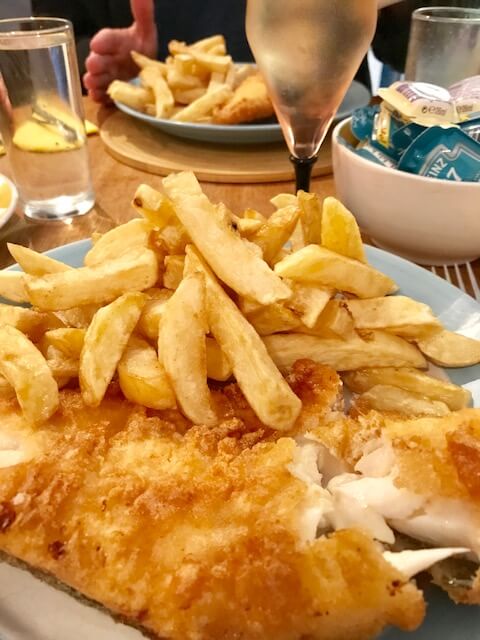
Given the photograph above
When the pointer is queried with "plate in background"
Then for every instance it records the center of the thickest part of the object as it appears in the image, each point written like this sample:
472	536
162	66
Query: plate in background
357	96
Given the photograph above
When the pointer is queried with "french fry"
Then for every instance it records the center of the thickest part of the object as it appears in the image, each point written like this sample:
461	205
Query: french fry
251	214
28	321
180	79
220	63
68	340
33	263
264	387
143	378
143	61
311	217
133	271
340	232
12	286
246	227
7	392
149	322
119	240
276	231
449	349
396	314
62	367
153	206
130	95
375	349
308	301
334	322
316	264
104	343
389	399
204	105
182	348
174	238
221	247
284	200
187	96
207	44
454	397
273	318
218	365
164	100
217	79
173	273
76	317
24	367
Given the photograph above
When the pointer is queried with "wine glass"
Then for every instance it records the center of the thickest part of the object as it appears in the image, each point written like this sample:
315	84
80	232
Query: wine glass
308	52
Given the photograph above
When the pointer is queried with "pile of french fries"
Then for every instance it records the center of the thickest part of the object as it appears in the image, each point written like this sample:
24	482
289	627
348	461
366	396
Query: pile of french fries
189	86
190	292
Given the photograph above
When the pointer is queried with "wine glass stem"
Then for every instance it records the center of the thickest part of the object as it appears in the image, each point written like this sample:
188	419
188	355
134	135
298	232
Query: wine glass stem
303	172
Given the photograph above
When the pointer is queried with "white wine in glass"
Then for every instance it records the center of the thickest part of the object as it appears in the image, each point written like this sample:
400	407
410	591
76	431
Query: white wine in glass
308	52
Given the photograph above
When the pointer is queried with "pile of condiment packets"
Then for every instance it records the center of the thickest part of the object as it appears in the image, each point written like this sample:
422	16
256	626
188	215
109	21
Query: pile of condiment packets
423	129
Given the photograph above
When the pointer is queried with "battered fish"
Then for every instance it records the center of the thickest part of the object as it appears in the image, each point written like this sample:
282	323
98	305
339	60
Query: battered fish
250	102
194	533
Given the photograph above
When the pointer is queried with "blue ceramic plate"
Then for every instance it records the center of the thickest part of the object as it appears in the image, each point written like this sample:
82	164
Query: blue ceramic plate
56	616
357	96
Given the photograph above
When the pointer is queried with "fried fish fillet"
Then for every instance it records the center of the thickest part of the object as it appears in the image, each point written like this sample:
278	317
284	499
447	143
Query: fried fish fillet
192	533
249	102
422	477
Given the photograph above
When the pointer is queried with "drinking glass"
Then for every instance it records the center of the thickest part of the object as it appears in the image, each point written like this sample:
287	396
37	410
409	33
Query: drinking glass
41	118
308	52
444	45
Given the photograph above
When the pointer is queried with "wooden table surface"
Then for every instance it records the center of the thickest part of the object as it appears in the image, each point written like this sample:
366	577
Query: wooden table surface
115	184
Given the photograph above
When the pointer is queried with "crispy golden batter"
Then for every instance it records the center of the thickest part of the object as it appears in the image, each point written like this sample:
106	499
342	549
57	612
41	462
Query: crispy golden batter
249	102
192	532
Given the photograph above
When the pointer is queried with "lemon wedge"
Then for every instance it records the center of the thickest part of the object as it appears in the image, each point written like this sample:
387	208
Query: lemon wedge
5	195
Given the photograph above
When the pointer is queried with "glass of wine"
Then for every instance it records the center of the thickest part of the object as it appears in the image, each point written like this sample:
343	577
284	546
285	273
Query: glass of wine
308	52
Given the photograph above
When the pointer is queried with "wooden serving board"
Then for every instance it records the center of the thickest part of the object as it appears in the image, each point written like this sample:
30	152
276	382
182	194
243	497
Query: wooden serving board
140	146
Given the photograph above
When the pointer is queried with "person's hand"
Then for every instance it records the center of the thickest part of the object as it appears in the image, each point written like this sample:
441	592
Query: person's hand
110	49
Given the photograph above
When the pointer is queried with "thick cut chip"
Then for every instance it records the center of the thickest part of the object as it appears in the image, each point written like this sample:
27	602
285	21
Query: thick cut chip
67	340
143	378
164	100
154	206
273	318
411	380
129	94
105	341
226	253
173	273
143	61
308	301
152	312
247	227
204	105
12	286
396	314
335	322
219	63
311	217
218	365
134	234
33	263
340	232
272	236
62	366
29	322
134	271
449	349
376	349
385	398
183	350
284	200
319	265
25	368
263	385
76	317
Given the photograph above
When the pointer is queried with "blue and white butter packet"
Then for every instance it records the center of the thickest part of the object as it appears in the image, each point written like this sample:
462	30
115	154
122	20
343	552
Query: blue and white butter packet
362	122
445	153
370	152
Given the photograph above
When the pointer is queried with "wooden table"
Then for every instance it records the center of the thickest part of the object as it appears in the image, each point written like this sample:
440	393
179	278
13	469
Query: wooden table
115	185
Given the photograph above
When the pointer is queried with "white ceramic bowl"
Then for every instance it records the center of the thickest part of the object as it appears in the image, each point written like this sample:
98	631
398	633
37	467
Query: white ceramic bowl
6	214
423	219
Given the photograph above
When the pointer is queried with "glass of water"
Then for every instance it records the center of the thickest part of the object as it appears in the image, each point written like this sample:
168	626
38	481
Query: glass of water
41	118
444	45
